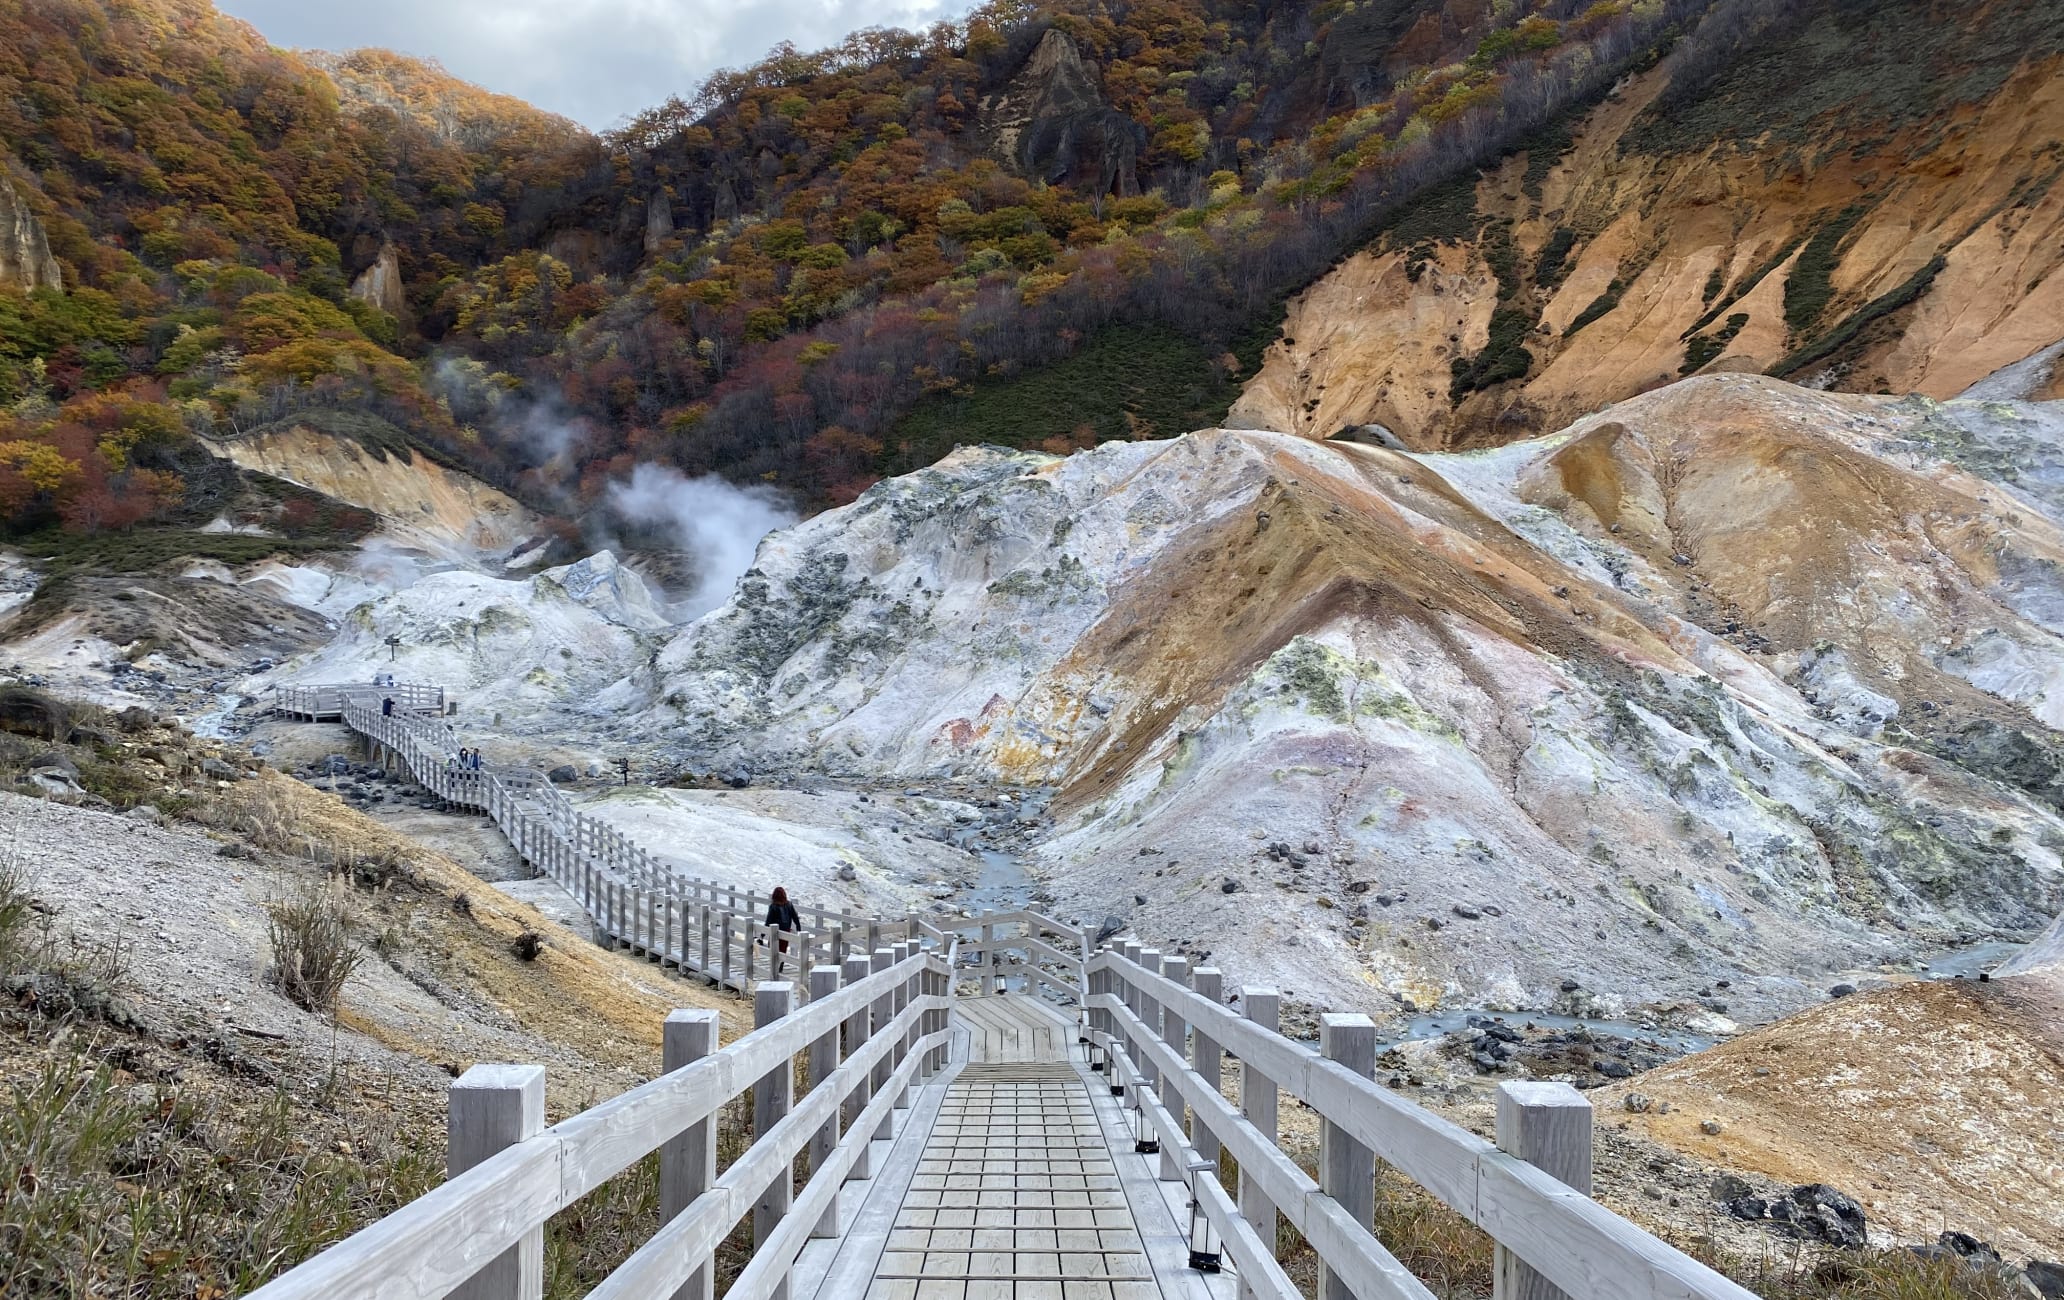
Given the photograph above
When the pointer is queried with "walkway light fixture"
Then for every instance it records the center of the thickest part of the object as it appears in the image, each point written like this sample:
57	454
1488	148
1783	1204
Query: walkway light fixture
1143	1141
1206	1253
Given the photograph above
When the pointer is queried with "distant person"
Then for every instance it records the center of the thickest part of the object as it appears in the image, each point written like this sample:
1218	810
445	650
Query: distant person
476	760
782	915
387	707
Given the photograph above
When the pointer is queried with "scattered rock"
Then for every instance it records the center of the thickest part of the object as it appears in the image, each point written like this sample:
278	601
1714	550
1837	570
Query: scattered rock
1638	1103
848	872
1231	886
1820	1213
527	945
1468	913
2047	1277
220	770
564	774
1841	990
1710	1127
54	762
1570	986
143	812
1115	924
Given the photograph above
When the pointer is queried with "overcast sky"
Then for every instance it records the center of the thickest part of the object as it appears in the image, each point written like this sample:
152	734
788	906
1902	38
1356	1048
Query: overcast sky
596	61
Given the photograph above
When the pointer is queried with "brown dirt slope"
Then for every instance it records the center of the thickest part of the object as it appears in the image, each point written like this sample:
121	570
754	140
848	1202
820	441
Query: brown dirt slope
1917	248
1936	1104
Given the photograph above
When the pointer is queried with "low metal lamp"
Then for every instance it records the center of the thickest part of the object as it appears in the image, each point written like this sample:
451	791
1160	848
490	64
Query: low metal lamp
1206	1252
1143	1141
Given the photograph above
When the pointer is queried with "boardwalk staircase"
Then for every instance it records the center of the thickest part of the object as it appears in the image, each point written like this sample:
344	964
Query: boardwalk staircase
1107	1130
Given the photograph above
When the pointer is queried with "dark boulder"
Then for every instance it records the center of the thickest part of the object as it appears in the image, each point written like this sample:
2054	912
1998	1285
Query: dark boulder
27	712
564	774
1820	1213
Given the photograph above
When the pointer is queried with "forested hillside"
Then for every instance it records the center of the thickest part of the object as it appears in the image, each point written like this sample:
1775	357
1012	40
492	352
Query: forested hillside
1054	223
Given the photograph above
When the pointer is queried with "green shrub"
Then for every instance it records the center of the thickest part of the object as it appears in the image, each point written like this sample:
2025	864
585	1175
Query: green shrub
1600	305
1811	283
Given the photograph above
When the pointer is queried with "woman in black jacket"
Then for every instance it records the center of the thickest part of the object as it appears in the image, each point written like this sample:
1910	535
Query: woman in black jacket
782	915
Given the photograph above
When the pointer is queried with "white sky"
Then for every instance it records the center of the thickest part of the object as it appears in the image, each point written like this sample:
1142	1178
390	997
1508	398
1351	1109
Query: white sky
596	61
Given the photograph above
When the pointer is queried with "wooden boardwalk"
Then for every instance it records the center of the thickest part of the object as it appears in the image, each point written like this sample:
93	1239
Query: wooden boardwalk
1014	1193
1001	1032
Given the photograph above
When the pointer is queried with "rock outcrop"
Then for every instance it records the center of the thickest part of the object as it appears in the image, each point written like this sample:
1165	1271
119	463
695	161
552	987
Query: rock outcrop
1052	122
659	220
421	502
1915	254
380	284
25	256
1932	1101
1781	708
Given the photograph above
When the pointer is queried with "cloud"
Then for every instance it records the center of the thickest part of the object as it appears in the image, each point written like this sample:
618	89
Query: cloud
596	61
717	524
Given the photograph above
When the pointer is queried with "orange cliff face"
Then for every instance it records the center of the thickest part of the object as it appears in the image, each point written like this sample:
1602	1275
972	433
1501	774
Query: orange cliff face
1911	256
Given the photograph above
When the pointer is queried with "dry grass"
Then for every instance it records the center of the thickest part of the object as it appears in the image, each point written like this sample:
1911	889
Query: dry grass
119	1186
312	950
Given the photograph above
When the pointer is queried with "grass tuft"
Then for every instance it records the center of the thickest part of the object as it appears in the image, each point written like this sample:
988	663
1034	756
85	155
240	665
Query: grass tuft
312	952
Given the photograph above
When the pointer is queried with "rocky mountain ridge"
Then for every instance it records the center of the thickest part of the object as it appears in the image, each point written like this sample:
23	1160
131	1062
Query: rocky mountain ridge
1902	240
1411	701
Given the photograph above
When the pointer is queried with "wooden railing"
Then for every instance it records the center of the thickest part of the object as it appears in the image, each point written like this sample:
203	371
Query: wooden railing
1046	954
876	1020
870	1030
695	925
319	702
1161	1034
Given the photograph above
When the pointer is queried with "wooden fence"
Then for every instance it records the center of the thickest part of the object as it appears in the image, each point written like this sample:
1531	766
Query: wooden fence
327	703
1161	1033
638	902
877	1020
869	1031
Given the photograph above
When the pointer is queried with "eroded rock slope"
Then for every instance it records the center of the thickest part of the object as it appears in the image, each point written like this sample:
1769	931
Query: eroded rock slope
1731	682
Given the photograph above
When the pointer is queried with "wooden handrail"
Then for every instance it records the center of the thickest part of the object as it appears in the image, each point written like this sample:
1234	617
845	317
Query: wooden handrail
1576	1243
438	1241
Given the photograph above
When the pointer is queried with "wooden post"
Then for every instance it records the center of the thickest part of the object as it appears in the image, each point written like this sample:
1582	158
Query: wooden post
493	1107
1206	1061
1148	1008
1129	995
703	913
1258	1107
902	1001
1548	1125
824	1058
688	1163
883	959
724	938
1347	1169
1175	1033
773	1095
857	1032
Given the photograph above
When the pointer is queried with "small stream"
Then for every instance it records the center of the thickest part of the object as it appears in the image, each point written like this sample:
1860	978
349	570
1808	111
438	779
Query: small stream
1430	1025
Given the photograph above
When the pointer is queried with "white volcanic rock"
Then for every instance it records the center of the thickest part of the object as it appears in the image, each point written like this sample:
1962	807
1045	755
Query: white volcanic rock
566	643
1732	681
